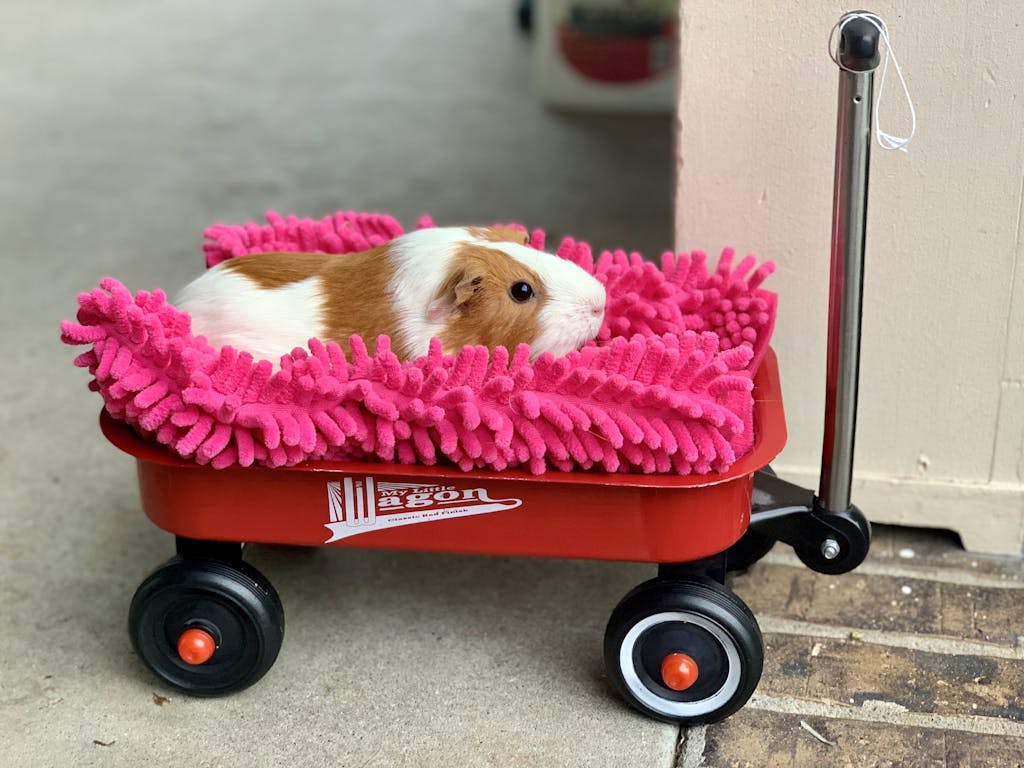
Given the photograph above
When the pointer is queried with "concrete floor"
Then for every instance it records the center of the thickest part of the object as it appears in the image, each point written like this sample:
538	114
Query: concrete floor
127	128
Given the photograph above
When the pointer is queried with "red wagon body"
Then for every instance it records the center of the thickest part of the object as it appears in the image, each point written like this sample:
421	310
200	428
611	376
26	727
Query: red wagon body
647	518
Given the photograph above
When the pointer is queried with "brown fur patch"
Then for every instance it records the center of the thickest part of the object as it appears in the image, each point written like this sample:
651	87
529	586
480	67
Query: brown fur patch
357	299
484	312
499	234
274	270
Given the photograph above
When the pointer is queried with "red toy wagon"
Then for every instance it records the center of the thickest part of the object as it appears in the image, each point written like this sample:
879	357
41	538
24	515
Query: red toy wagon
681	647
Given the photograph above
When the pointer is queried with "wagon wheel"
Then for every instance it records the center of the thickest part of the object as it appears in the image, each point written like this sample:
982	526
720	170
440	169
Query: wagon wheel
751	547
683	651
207	627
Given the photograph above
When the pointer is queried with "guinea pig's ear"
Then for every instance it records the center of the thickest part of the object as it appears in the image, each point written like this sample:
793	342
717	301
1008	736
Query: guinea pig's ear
454	294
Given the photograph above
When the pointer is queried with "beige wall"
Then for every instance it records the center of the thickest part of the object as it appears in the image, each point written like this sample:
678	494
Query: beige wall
941	428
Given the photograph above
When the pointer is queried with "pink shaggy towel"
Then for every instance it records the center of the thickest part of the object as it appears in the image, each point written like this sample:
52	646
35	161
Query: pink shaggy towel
666	388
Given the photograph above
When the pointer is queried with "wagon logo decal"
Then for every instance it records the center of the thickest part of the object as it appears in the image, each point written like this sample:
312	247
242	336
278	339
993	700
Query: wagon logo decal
361	505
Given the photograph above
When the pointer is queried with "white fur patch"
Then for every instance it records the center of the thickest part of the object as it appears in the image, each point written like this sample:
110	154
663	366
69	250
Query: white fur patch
421	261
229	308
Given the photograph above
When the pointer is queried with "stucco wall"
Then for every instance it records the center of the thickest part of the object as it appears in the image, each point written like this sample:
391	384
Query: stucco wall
941	427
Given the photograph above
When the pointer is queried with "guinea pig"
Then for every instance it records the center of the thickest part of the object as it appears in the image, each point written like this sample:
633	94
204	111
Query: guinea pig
463	285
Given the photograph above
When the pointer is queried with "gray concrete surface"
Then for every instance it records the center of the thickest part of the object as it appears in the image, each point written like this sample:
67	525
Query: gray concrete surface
125	128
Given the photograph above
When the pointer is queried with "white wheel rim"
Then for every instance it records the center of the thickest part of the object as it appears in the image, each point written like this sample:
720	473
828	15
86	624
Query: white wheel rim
680	708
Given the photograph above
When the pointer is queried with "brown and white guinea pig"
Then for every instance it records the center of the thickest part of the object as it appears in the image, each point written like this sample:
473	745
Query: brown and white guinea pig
464	285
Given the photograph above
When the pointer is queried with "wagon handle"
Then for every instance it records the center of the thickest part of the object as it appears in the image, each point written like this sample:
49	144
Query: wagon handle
826	531
857	56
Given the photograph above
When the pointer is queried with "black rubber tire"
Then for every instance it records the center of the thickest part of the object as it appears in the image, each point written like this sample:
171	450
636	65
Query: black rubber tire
700	618
234	602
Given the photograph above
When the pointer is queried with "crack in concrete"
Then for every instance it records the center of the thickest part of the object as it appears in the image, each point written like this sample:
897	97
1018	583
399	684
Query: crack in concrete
693	748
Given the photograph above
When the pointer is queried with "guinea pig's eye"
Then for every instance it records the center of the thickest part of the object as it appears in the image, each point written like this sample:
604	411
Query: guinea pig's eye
521	292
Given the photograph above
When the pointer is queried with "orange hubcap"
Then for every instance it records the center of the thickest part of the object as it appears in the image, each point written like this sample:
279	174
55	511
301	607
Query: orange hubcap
679	671
196	646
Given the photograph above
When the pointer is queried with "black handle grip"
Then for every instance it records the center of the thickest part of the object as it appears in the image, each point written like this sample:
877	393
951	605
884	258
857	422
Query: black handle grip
858	45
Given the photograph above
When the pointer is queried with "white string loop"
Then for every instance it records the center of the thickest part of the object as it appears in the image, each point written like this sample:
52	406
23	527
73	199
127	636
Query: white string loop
885	140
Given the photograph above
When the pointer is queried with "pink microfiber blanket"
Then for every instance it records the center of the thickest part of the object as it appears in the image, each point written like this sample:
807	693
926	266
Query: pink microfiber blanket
666	387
